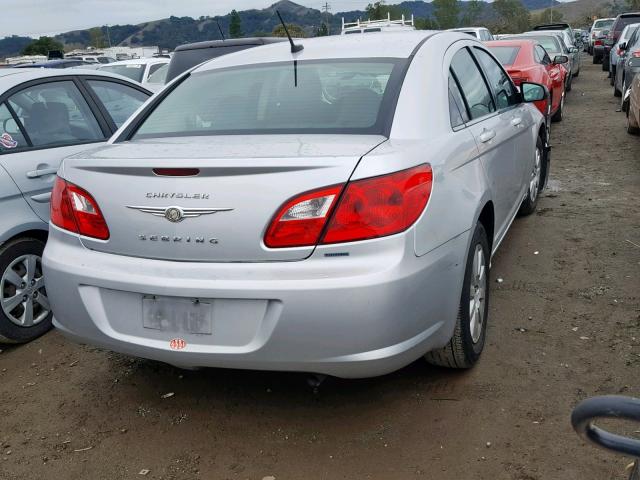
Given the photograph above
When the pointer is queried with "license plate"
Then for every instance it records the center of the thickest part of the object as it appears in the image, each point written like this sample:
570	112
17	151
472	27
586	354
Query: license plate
177	315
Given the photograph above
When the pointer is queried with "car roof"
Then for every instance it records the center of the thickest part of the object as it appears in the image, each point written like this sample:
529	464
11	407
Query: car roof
467	29
511	43
232	42
384	45
12	77
138	61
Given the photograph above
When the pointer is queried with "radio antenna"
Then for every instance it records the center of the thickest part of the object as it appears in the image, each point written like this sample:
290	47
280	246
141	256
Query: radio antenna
221	32
294	48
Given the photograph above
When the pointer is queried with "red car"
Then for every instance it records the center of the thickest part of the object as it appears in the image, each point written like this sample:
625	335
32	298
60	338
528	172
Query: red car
528	61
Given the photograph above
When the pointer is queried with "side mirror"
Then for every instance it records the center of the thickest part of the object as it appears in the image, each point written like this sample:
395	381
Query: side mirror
573	50
560	59
533	92
623	46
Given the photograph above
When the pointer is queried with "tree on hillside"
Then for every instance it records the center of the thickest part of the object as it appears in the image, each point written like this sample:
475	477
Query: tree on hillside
296	31
42	46
472	13
235	25
446	13
634	4
513	16
425	24
550	15
380	11
97	37
322	31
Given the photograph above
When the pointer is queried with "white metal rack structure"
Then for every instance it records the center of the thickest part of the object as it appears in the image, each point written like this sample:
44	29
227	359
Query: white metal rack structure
377	25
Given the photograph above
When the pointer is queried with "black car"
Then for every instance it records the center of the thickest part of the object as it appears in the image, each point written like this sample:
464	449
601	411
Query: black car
192	54
620	22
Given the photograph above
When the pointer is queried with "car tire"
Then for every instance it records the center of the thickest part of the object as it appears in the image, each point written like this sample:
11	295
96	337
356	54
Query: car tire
568	87
605	66
630	128
575	75
616	92
559	114
596	59
530	201
20	261
623	104
466	344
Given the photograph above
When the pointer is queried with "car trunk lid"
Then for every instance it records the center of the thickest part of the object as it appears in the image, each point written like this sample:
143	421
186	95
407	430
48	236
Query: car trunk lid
224	210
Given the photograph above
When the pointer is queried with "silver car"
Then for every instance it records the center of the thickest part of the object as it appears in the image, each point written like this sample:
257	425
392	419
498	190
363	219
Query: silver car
45	115
331	210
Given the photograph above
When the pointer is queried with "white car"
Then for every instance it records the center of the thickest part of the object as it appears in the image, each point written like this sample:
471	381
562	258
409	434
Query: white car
481	33
140	70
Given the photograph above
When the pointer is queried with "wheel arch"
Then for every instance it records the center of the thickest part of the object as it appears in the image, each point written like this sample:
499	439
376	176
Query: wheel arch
488	220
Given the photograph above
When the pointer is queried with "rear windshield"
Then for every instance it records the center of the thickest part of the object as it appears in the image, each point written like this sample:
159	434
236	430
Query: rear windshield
183	60
134	71
550	43
624	21
600	24
506	55
329	96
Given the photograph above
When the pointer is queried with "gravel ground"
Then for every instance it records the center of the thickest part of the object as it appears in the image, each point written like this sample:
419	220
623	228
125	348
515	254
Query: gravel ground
564	325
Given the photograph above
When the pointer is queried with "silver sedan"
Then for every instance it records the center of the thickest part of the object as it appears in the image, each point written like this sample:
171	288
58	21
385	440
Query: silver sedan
331	210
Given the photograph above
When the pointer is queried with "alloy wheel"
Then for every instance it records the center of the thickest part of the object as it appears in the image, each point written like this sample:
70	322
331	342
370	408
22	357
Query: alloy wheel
22	293
477	294
534	183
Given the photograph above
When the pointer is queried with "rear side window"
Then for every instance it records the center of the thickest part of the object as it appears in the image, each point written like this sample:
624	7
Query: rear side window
504	91
119	100
624	21
472	83
506	55
55	114
457	108
354	96
11	137
133	71
541	55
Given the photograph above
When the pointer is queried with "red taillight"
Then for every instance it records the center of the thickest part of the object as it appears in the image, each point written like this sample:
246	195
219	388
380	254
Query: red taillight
517	76
300	221
597	42
636	54
368	208
75	210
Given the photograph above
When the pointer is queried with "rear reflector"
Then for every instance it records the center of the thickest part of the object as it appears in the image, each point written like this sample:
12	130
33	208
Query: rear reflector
75	210
176	172
368	208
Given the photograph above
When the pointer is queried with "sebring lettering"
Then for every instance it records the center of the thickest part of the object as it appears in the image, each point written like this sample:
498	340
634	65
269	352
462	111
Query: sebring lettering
176	239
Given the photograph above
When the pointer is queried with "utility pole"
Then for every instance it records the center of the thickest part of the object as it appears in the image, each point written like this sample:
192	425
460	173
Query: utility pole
325	10
108	36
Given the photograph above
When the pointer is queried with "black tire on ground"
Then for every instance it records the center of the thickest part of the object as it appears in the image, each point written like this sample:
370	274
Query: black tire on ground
631	129
576	74
530	202
559	114
605	66
569	85
462	351
596	59
616	92
9	331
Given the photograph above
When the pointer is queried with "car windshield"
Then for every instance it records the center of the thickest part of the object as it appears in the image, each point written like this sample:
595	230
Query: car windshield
134	71
506	55
332	96
602	24
550	43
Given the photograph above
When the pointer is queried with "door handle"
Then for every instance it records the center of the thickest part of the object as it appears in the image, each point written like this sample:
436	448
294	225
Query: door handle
516	121
487	135
42	173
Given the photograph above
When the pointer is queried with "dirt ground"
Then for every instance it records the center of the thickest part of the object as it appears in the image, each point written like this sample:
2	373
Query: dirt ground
564	325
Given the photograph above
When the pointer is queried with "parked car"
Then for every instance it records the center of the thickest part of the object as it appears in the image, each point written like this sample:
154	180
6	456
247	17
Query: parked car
335	214
481	33
528	61
45	115
616	51
139	70
59	64
554	47
192	54
568	47
620	22
628	64
102	59
383	25
631	105
598	47
558	27
599	25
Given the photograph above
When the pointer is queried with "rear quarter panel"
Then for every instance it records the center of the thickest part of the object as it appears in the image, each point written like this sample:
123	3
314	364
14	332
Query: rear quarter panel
17	216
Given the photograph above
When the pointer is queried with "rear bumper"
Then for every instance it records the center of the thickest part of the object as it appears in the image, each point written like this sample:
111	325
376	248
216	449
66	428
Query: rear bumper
366	314
598	50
